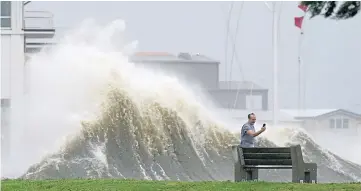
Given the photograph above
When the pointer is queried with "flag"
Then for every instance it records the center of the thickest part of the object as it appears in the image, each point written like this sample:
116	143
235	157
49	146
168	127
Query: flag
303	7
298	22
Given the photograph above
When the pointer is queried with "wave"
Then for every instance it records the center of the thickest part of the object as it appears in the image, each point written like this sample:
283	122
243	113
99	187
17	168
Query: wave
155	143
122	121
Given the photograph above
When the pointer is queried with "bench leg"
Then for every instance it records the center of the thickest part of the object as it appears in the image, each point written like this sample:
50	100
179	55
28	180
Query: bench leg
238	172
305	174
310	173
241	174
252	174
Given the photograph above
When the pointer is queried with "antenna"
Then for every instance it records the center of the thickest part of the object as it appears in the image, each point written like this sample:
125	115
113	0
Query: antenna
275	64
185	56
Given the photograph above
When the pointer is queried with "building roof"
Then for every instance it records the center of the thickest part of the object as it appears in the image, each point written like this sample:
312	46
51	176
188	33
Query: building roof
168	57
306	113
245	85
316	113
286	115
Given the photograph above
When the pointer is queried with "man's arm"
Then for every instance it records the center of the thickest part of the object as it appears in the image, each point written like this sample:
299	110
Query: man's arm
255	134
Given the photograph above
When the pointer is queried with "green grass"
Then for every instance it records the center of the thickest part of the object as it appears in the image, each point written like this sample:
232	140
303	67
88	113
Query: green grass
125	185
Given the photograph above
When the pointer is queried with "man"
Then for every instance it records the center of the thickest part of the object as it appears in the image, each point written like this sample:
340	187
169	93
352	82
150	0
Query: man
248	133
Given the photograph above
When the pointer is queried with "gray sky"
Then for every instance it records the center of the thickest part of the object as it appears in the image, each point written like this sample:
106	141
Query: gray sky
331	49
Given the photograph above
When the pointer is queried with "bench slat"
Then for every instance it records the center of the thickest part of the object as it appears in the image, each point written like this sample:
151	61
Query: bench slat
267	150
267	155
280	162
249	167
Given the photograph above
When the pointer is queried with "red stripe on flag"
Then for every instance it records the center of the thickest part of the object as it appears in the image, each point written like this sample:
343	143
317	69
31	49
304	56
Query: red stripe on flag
303	7
298	22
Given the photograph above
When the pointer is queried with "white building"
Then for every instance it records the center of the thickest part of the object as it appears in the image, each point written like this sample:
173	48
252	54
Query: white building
313	120
330	120
18	26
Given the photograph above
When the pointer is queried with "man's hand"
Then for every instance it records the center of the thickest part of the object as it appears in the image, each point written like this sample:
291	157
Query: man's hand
263	127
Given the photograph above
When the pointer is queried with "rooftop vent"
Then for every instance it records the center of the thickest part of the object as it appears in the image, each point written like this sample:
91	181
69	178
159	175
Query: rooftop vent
185	56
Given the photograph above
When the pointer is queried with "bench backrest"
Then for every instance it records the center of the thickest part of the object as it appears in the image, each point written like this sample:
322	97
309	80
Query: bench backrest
278	156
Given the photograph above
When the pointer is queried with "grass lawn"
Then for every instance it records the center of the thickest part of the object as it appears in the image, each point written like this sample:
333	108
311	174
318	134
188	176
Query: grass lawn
124	185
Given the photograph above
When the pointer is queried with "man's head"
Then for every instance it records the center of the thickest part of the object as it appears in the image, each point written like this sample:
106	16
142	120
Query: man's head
251	118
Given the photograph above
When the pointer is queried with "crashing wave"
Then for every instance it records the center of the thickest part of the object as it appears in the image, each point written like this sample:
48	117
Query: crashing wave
154	142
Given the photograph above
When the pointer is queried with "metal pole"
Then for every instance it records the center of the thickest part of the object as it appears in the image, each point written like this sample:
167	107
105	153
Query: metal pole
275	65
300	99
299	83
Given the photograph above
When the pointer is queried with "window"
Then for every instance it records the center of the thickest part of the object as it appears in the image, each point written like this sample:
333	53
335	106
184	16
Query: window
5	8
339	123
345	123
332	123
5	22
5	14
5	109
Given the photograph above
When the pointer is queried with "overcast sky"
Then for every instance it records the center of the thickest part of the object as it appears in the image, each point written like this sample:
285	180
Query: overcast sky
331	50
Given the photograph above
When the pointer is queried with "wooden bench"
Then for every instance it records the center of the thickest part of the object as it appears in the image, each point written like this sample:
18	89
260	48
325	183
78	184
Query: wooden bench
249	160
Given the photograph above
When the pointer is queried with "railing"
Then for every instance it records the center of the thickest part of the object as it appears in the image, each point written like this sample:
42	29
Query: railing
38	20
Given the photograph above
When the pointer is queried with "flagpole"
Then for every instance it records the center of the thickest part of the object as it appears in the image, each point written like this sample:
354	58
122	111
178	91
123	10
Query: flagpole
300	98
303	105
299	74
275	65
298	23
